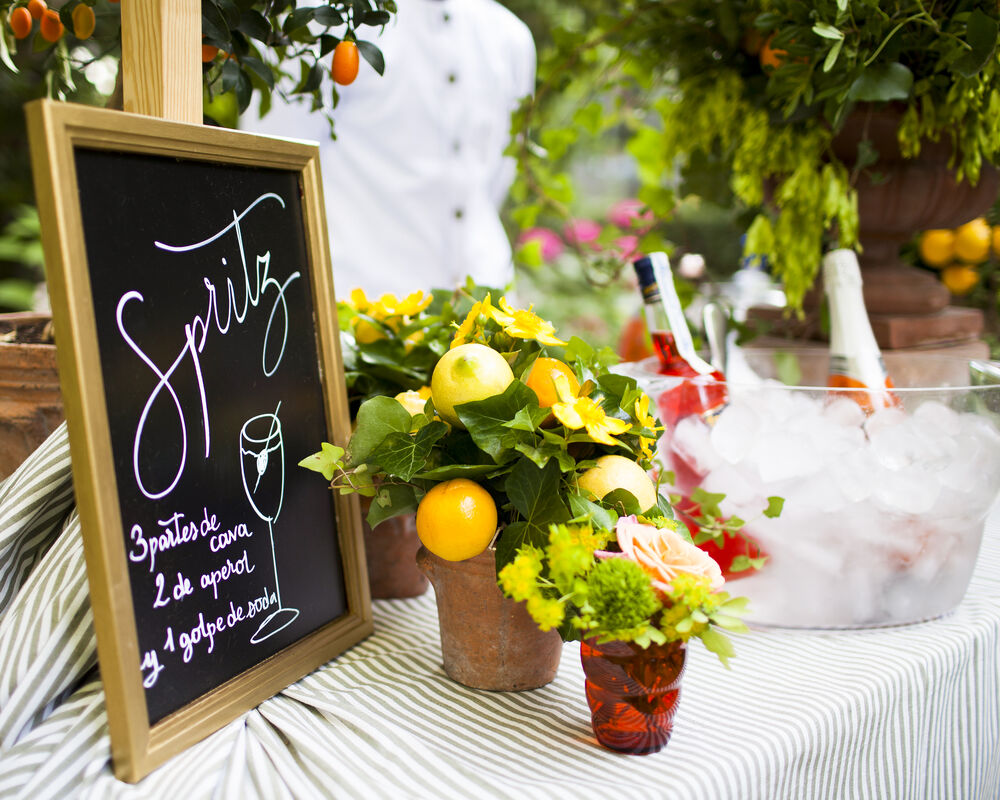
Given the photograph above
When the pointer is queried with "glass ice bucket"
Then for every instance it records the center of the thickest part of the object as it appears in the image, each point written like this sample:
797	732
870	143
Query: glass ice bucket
883	511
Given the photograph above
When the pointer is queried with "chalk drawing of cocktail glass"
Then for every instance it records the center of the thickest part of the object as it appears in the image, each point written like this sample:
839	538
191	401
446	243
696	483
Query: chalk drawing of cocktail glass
262	465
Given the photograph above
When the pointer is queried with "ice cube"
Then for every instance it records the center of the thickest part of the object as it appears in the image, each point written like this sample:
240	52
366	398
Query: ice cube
938	417
692	445
784	455
735	431
844	412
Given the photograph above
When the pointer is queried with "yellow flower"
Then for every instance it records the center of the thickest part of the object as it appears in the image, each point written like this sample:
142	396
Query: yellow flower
546	612
521	324
518	578
472	329
646	420
582	412
410	305
359	302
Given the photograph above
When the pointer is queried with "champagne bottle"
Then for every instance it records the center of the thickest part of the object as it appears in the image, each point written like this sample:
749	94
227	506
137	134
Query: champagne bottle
703	391
855	359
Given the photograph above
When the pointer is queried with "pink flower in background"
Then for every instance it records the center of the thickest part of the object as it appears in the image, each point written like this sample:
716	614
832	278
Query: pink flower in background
552	245
581	231
625	211
628	247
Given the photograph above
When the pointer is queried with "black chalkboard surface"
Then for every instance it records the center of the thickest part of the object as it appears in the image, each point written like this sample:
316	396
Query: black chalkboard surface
206	367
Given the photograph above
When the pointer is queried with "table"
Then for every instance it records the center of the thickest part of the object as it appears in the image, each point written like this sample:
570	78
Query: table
906	712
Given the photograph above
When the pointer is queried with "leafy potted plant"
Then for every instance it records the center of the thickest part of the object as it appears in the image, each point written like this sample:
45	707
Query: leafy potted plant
522	430
390	346
633	597
777	107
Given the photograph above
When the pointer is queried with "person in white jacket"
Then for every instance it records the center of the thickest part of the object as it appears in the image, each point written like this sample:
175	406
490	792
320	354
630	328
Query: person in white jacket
415	178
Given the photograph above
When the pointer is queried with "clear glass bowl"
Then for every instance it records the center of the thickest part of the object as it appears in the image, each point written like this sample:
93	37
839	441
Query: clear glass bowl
883	512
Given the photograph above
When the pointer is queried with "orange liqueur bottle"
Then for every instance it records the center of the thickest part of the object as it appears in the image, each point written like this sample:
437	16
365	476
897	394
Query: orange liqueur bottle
855	359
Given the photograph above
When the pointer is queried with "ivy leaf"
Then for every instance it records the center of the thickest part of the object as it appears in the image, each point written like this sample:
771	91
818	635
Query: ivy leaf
534	493
981	33
446	473
403	454
882	82
622	501
709	501
487	420
326	462
372	55
774	506
528	418
377	418
390	501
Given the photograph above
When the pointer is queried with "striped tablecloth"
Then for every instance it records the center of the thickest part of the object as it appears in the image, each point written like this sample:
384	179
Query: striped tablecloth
907	712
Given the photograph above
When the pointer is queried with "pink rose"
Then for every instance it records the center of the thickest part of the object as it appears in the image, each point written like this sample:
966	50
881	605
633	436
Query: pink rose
628	247
624	212
581	231
552	245
663	554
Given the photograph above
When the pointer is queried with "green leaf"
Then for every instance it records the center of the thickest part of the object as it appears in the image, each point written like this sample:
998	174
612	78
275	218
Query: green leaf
5	54
255	25
487	420
404	454
244	91
530	253
372	55
709	501
326	462
622	501
831	57
230	75
390	501
213	24
377	418
881	83
774	506
446	473
981	34
376	18
787	368
260	69
298	19
827	31
534	493
718	643
328	16
584	510
528	418
311	79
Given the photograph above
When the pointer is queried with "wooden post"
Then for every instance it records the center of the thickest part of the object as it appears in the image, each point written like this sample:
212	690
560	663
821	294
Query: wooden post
161	48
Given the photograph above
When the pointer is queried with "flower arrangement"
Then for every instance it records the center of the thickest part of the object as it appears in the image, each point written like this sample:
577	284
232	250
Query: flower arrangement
653	587
390	346
739	101
534	445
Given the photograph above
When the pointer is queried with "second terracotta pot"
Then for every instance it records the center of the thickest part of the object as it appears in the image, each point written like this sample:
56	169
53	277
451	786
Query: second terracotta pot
488	641
391	550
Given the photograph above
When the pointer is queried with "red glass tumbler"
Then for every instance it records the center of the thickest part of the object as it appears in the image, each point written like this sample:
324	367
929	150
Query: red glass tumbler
632	692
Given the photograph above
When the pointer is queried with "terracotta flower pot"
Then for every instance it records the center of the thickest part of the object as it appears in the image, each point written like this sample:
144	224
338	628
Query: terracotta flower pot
633	692
488	641
30	401
391	551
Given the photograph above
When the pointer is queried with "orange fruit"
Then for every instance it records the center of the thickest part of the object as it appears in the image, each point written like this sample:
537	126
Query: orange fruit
617	472
769	57
83	21
996	240
972	241
20	22
208	53
937	247
540	379
466	373
345	63
456	519
51	26
959	278
36	8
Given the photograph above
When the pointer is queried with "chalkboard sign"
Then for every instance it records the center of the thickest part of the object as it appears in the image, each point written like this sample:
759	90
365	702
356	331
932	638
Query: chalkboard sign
198	352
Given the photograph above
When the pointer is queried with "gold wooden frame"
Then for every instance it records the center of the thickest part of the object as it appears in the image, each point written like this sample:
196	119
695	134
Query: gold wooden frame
55	129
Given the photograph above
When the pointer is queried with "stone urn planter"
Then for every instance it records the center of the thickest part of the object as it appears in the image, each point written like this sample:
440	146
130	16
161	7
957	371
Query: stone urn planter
488	641
30	400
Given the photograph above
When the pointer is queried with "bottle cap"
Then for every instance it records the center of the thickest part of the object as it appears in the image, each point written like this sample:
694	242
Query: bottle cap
840	267
644	272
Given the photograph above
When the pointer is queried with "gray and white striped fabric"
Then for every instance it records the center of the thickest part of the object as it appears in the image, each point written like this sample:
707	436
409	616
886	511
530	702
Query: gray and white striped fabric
907	712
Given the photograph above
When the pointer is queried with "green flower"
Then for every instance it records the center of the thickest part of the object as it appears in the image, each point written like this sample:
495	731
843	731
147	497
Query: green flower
620	594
